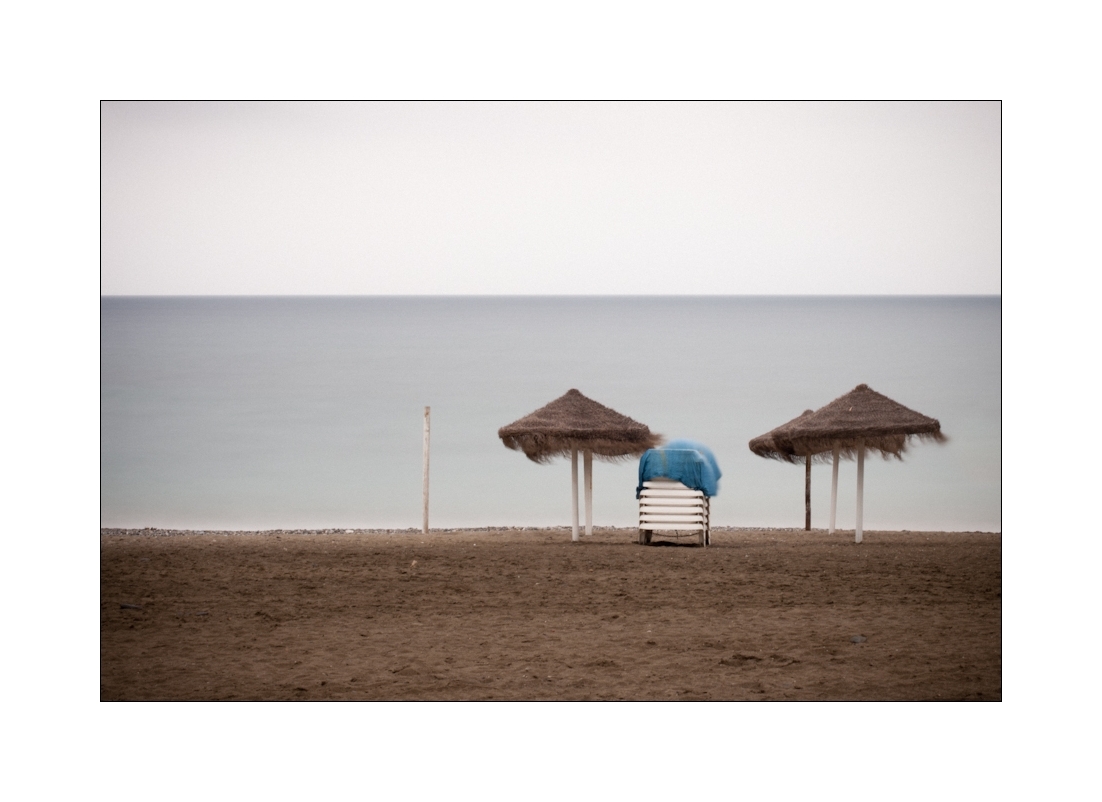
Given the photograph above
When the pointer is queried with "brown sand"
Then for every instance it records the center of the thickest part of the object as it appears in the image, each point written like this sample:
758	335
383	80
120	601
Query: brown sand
526	614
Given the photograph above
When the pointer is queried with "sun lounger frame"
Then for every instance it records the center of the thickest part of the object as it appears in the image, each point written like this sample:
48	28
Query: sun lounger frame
669	506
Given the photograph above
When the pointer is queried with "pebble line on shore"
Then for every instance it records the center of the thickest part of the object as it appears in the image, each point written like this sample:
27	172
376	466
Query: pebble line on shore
153	532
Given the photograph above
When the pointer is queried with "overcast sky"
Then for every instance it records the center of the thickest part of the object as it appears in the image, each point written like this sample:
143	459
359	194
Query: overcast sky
550	198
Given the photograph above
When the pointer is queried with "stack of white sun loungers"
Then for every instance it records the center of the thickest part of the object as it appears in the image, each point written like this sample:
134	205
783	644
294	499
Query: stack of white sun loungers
666	505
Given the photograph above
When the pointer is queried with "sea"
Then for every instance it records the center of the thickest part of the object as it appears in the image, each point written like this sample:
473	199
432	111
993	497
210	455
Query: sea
243	413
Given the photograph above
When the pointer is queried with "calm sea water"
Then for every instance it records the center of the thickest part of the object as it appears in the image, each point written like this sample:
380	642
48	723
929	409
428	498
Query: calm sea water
307	412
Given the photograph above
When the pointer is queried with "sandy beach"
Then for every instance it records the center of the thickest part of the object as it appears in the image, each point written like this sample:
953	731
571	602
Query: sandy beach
525	614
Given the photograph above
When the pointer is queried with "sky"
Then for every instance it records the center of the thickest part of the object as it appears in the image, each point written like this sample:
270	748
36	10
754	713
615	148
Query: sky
395	198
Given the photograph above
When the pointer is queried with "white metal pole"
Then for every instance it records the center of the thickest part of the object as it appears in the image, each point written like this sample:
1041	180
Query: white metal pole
425	479
574	490
834	490
807	495
588	463
860	489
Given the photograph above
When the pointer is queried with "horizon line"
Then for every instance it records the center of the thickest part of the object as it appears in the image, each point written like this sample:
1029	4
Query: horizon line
559	295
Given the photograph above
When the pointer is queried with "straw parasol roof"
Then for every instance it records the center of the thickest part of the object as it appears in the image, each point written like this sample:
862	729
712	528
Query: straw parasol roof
860	416
768	444
574	421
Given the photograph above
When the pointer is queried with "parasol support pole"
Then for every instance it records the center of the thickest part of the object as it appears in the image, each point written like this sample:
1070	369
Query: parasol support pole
834	489
807	495
425	479
587	462
574	490
860	490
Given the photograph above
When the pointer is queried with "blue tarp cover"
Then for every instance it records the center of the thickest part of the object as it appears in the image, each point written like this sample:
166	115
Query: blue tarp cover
683	461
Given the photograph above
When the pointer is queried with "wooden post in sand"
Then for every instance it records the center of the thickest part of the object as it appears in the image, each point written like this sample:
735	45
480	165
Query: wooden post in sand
574	490
834	489
860	489
807	495
588	463
425	478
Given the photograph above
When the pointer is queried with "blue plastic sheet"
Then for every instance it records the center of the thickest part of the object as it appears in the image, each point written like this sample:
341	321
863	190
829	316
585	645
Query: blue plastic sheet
685	461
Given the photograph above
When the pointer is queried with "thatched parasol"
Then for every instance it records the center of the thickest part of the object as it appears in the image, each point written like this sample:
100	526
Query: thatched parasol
860	418
846	427
573	423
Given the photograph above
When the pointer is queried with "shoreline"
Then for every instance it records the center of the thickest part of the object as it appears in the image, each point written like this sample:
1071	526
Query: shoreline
152	531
